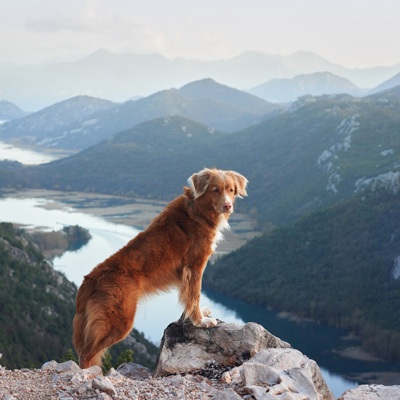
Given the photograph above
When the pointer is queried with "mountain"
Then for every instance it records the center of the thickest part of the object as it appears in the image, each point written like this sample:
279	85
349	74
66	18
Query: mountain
390	83
339	265
10	111
154	157
322	150
119	77
209	88
207	102
318	83
53	122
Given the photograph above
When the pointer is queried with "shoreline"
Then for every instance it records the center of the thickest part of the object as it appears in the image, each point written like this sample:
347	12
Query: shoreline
137	213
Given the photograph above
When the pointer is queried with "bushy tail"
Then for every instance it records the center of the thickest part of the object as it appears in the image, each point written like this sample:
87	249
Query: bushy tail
86	337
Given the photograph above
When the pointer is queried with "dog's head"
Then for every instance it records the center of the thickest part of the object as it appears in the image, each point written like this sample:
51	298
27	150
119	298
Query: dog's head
218	188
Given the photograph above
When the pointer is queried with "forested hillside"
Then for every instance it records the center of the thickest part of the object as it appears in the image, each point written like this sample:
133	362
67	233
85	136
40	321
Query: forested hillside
37	305
338	265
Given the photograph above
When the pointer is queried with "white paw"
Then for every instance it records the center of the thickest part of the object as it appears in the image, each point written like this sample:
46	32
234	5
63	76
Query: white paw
205	311
207	322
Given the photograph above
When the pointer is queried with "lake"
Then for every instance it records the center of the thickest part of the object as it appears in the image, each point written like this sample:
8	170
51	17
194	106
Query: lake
314	340
23	155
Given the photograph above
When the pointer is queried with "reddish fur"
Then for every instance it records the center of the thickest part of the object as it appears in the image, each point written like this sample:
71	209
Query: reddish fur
172	251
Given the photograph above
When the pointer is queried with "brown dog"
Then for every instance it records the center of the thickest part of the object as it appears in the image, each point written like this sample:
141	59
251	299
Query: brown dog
172	251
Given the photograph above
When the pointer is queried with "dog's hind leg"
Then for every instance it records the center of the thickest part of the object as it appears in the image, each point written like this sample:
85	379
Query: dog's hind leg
104	329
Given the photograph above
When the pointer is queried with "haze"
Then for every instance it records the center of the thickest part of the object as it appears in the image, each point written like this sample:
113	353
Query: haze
353	33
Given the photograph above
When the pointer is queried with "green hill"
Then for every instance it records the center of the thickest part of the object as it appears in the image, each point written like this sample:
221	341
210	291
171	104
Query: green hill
338	265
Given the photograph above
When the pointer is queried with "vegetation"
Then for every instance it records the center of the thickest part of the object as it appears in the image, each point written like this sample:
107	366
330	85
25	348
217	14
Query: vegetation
334	266
37	305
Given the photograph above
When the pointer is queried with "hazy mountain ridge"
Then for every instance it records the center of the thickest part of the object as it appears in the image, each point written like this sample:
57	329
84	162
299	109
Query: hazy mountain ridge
9	111
390	83
53	121
316	84
119	77
206	101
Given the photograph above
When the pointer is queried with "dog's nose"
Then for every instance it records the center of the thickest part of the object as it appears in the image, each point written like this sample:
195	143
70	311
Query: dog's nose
227	206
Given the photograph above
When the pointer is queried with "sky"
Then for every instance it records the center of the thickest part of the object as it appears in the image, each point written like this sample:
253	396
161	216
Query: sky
353	33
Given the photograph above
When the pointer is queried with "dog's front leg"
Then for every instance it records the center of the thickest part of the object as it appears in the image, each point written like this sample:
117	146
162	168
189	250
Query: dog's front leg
189	296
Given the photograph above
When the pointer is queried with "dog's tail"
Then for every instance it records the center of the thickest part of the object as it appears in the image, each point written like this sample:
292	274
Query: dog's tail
89	327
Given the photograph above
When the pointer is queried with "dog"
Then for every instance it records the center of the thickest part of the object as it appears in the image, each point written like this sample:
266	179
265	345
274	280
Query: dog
172	251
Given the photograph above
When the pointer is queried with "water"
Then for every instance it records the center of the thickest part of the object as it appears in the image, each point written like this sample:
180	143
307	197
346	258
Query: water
153	316
24	156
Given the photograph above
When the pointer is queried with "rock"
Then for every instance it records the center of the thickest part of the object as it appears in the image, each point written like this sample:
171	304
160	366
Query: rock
69	366
104	385
134	371
297	366
229	394
86	374
372	392
185	348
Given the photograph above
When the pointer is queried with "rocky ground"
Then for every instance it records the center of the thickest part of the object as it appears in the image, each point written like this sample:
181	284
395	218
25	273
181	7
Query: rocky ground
248	363
66	382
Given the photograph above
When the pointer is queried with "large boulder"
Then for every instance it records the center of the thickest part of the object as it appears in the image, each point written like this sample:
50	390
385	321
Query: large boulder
284	372
185	348
372	392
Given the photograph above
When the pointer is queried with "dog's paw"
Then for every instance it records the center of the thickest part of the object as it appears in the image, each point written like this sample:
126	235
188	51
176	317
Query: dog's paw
205	311
207	322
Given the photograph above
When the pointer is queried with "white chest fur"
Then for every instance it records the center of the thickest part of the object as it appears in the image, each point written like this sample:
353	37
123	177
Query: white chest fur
223	225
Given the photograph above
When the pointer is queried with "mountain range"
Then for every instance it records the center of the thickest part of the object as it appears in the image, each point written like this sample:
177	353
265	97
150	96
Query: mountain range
119	77
321	150
83	121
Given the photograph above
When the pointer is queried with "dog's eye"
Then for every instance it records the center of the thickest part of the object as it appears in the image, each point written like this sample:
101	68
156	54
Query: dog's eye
216	190
232	190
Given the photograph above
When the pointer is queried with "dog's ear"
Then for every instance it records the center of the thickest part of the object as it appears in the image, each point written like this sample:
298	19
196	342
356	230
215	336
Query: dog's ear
240	183
188	192
199	182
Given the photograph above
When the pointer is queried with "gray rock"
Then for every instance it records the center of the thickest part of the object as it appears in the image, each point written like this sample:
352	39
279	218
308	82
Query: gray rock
295	363
86	374
185	348
134	371
104	385
372	392
67	366
228	394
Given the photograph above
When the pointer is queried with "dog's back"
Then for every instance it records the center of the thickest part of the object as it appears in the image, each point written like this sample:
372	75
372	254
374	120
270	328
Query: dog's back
173	251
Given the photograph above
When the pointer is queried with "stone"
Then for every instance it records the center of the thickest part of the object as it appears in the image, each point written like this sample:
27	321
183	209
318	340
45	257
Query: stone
134	371
228	394
67	366
291	361
86	374
104	385
185	348
103	396
112	373
372	392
